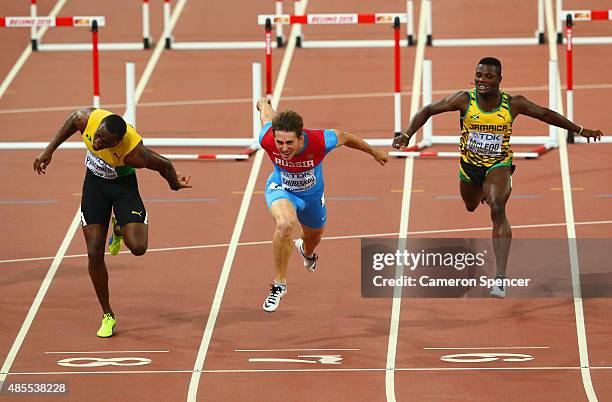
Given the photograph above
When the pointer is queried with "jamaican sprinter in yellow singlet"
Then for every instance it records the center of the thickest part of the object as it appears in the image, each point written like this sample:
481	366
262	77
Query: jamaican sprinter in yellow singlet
486	158
114	152
485	139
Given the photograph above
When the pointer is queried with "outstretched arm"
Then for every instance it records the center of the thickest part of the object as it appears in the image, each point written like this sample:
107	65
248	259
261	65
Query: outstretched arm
521	105
457	101
143	157
77	121
266	112
353	141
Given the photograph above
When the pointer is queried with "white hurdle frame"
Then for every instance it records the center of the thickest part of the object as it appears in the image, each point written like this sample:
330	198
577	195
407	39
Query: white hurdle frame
37	45
277	20
538	38
251	143
578	15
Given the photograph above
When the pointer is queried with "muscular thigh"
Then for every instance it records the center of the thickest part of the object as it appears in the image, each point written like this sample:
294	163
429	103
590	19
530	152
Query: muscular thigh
96	205
497	185
127	203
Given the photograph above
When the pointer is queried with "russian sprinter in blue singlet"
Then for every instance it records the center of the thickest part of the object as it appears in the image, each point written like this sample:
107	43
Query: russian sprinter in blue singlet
485	166
294	190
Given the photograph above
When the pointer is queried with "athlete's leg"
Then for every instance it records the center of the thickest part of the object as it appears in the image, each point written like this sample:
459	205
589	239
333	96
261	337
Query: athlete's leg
135	236
497	188
95	237
471	194
311	238
286	222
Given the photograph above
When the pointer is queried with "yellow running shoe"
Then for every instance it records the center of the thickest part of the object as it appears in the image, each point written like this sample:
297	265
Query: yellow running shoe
114	241
107	329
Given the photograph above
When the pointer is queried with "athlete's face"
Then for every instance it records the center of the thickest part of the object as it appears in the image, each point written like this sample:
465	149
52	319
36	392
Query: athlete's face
287	143
487	80
103	139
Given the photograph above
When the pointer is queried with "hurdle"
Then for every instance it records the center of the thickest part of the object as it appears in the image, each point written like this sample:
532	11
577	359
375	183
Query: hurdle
76	21
250	144
538	38
146	35
569	50
582	15
327	19
280	19
546	143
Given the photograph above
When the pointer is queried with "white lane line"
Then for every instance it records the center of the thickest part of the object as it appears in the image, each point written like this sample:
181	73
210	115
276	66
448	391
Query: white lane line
571	228
27	51
290	350
244	206
492	348
42	291
346	237
224	101
108	351
57	259
405	211
238	371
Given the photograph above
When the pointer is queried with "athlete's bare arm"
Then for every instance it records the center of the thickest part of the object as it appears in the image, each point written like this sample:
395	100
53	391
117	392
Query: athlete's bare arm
266	112
458	101
353	141
143	157
521	105
77	121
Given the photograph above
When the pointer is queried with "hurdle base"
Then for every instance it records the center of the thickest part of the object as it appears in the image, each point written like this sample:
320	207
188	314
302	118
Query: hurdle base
541	38
410	40
559	38
146	43
279	42
298	41
168	44
429	40
34	44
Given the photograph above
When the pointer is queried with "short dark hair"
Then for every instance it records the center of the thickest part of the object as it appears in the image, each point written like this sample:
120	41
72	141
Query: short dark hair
115	125
289	121
492	61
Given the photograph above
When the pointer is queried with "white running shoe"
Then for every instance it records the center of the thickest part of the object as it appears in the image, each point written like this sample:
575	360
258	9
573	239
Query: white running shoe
310	263
273	300
498	291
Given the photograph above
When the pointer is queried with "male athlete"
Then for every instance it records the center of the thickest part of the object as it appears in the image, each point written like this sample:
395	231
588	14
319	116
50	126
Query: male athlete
114	151
486	158
294	190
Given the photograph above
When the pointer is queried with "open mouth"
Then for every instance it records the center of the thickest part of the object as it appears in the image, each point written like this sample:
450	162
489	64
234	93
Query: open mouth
483	86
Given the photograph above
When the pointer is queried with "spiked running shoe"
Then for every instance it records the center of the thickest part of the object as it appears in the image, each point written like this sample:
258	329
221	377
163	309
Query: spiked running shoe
114	241
273	300
498	291
310	263
107	329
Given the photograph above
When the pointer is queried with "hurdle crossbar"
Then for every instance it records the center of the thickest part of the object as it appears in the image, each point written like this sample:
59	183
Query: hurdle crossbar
582	15
537	39
145	44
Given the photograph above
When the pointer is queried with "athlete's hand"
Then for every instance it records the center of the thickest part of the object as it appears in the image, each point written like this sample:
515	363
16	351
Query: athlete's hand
41	162
183	182
594	134
401	140
262	101
381	157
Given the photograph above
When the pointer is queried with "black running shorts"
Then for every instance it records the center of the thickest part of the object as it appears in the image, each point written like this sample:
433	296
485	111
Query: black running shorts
121	195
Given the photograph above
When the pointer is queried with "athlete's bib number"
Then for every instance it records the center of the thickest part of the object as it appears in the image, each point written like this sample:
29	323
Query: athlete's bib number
301	181
485	143
98	167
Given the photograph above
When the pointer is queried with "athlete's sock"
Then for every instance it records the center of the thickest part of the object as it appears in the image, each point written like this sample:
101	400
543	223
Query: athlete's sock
282	285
